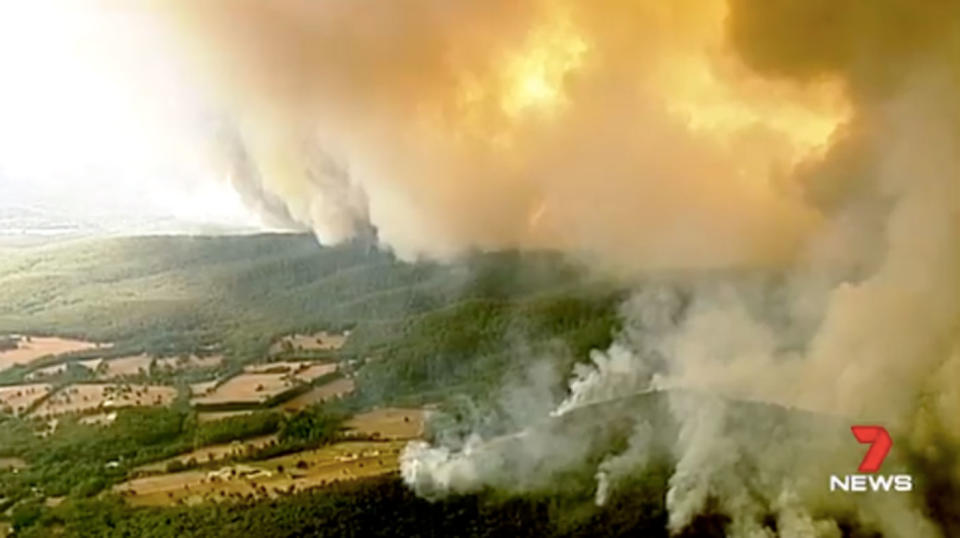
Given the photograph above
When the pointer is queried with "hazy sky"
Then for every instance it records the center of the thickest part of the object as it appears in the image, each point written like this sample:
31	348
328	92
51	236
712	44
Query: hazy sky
97	118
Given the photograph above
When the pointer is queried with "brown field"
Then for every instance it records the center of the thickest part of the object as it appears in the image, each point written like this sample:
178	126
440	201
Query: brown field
122	366
41	346
328	391
247	388
19	397
211	453
190	362
332	390
258	383
202	388
12	463
314	371
131	365
86	398
310	342
304	470
302	370
134	364
389	423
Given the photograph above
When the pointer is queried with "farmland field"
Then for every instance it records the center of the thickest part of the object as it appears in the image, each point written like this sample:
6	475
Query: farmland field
337	388
190	361
259	383
342	461
303	370
20	397
122	366
247	389
12	463
137	364
314	371
214	452
35	347
106	369
321	341
203	387
85	398
268	478
389	423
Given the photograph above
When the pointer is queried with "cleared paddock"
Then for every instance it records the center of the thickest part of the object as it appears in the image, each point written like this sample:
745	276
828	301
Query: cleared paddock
32	348
85	398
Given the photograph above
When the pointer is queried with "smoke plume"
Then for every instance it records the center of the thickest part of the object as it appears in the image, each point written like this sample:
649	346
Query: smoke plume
817	137
580	127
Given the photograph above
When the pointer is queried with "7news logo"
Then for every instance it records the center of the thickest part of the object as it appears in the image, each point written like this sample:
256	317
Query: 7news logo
880	444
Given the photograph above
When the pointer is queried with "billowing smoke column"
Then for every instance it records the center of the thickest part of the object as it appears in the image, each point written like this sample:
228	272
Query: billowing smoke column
818	137
578	126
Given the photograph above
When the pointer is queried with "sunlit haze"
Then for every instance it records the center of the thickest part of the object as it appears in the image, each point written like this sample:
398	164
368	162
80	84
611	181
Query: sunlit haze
98	123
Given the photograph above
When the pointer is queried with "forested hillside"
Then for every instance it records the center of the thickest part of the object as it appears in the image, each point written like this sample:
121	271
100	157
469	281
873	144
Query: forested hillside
419	333
447	337
172	294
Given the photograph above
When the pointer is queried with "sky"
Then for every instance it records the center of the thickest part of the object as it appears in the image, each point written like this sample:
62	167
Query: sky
98	121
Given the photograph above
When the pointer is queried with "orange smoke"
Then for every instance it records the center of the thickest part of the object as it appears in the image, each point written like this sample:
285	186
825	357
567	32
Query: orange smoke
627	130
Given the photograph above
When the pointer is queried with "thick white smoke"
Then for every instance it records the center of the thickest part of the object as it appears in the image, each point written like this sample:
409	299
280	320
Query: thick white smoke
874	347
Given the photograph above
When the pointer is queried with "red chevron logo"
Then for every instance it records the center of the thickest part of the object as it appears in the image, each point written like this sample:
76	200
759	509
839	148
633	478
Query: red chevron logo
880	443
